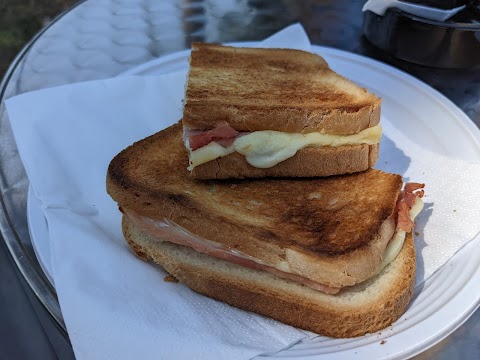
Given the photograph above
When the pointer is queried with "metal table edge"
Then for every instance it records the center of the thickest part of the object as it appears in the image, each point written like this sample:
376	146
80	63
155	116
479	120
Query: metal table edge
33	275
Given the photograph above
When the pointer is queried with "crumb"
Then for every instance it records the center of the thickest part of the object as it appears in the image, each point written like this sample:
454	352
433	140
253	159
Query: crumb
417	233
385	162
170	278
454	210
382	342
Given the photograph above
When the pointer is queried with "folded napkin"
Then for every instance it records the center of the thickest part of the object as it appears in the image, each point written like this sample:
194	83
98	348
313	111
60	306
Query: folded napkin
118	307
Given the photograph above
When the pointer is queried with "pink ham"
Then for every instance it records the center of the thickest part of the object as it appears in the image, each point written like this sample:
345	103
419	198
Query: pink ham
403	218
161	230
412	187
405	202
223	133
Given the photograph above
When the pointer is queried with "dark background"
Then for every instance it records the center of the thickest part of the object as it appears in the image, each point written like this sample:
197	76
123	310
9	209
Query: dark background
20	20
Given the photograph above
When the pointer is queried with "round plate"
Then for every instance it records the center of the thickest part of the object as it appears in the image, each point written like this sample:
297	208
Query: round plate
445	300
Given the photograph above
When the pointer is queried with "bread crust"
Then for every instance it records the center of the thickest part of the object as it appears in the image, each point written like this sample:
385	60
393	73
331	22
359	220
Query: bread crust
273	89
307	162
331	222
364	308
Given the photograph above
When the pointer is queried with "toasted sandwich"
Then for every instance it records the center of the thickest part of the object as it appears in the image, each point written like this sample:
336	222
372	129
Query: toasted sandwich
252	112
332	255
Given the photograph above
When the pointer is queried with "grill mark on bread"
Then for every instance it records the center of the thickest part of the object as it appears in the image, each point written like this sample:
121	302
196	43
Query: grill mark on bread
299	96
119	175
267	235
116	174
322	228
177	198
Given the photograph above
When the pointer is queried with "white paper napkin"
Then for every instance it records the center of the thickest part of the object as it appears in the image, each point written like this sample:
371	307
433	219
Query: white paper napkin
451	215
114	305
118	307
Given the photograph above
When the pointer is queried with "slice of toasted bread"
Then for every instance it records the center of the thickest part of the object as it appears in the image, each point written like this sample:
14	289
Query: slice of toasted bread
330	230
367	307
307	162
273	89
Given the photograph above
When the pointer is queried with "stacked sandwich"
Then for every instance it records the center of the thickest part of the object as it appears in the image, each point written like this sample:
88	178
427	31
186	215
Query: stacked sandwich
264	195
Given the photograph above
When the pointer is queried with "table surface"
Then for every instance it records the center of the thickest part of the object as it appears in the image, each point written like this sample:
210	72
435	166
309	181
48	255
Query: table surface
100	39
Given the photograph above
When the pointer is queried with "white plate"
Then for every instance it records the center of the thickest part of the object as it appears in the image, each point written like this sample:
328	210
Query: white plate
445	300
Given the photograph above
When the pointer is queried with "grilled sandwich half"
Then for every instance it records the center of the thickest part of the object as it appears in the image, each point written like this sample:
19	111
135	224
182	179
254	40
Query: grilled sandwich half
253	112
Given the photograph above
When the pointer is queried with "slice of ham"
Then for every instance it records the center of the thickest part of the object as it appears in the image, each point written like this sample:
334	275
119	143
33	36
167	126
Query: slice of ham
175	234
403	218
223	133
405	201
410	199
412	187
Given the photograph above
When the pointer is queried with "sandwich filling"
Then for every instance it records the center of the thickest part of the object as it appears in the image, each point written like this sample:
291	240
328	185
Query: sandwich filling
409	205
266	148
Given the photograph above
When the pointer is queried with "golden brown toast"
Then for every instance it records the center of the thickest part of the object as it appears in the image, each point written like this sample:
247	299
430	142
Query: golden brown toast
331	230
273	89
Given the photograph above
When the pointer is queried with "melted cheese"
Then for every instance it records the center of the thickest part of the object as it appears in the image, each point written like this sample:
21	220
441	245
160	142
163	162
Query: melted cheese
264	149
395	245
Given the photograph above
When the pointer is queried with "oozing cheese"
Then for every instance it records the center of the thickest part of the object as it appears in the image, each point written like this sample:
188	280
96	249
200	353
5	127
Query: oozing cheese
264	149
395	245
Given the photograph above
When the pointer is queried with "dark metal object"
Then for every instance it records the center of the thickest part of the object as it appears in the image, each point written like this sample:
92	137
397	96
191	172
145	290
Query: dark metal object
450	44
441	4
